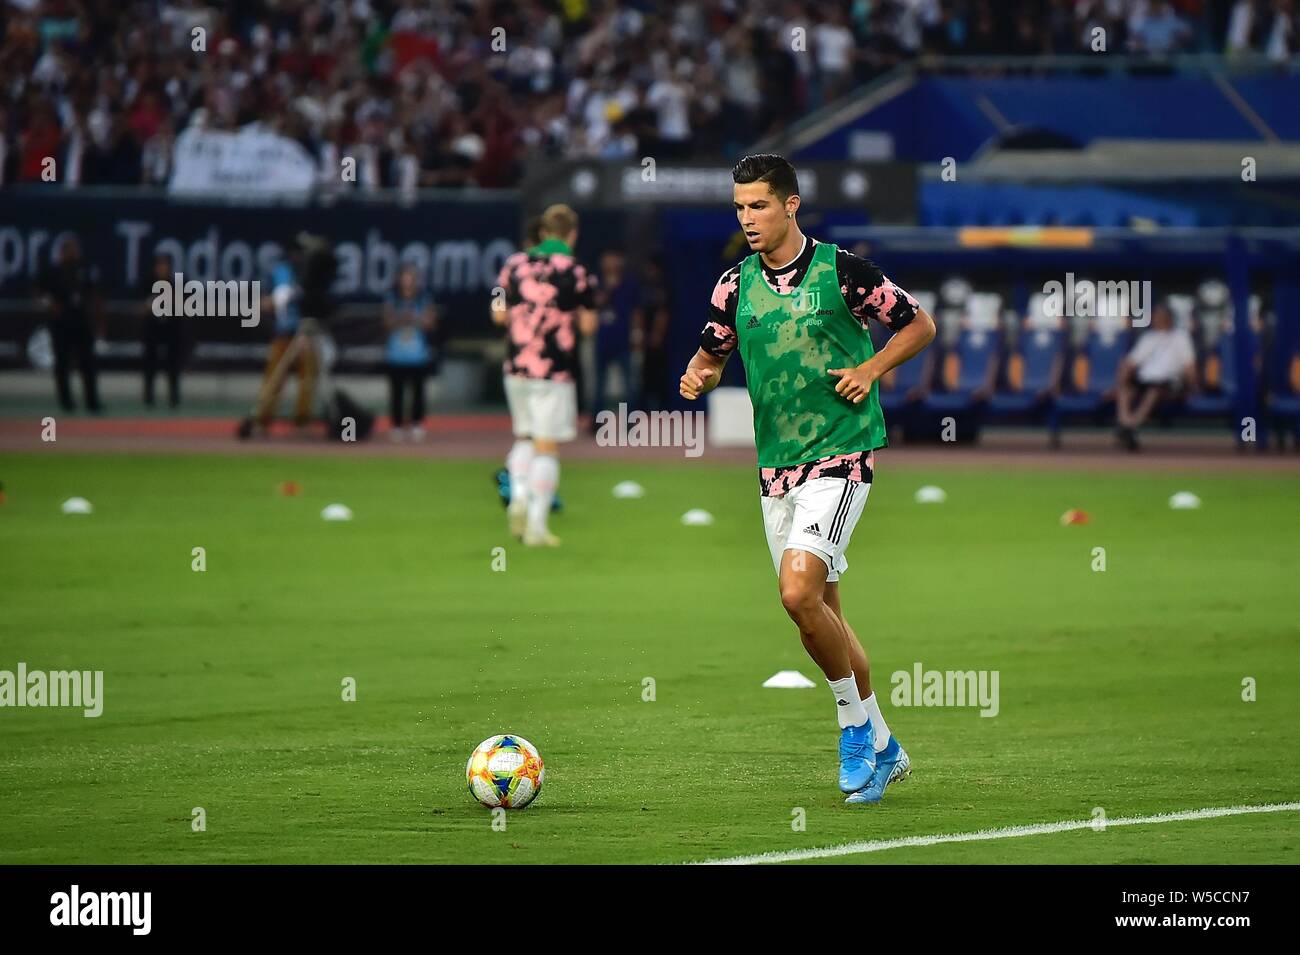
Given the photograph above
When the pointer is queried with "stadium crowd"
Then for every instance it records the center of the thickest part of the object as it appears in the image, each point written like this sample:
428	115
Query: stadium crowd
458	94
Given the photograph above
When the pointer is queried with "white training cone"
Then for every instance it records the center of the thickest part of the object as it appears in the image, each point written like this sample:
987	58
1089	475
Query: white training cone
77	505
697	518
628	489
1184	501
931	495
337	512
788	680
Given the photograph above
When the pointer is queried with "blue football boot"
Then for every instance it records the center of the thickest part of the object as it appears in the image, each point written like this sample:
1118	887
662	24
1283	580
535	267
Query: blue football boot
892	765
857	756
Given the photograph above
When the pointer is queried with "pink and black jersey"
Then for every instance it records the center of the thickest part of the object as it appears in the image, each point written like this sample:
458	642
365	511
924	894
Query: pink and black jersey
544	288
868	295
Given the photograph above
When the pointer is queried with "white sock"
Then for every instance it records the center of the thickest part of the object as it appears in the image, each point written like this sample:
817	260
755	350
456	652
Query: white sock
877	721
518	462
848	705
543	479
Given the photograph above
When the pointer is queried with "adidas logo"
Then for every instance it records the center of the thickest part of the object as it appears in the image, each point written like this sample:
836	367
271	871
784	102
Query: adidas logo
813	529
753	322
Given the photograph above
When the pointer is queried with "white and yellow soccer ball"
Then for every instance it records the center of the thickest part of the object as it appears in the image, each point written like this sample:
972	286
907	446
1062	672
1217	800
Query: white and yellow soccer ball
505	771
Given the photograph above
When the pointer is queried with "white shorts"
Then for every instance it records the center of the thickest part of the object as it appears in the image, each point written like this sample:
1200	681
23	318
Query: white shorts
543	409
817	516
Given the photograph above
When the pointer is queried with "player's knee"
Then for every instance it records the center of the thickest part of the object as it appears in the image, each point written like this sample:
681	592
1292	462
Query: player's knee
800	598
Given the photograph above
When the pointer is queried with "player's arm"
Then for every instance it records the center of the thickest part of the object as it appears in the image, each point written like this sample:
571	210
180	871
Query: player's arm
717	339
588	293
499	309
904	344
702	375
870	294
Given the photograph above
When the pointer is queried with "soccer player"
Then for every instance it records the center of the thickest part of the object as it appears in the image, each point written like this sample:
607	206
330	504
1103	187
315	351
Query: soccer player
797	311
549	299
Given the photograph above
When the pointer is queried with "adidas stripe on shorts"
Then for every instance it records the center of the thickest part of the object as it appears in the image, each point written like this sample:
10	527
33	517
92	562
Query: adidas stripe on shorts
817	516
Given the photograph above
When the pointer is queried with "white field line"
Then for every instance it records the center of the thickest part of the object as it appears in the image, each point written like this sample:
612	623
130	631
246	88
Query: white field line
1010	832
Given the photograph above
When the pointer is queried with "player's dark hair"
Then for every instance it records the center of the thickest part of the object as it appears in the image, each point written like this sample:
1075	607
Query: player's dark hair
770	168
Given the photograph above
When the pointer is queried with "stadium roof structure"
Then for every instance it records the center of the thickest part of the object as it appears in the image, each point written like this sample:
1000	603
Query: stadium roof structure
960	107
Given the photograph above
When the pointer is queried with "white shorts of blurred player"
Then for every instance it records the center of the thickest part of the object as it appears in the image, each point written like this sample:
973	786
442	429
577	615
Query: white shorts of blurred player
542	409
817	516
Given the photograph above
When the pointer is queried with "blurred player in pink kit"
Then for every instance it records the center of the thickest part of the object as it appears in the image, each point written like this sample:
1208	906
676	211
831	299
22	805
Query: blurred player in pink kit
549	300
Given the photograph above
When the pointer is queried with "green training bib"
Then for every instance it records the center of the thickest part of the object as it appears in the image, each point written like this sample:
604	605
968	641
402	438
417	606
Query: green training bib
788	342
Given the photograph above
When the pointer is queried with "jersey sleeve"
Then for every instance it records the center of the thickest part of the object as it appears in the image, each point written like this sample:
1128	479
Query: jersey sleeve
869	293
718	338
506	278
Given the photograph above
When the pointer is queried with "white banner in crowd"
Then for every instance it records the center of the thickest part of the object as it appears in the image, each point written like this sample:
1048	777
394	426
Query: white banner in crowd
251	162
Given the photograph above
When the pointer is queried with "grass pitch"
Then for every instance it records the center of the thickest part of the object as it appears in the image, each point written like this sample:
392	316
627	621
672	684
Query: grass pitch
1119	689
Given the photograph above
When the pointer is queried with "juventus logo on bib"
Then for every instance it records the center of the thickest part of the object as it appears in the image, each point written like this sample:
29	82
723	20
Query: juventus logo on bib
806	299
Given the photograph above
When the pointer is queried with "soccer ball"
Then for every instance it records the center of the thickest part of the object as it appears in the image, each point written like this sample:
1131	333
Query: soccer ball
505	771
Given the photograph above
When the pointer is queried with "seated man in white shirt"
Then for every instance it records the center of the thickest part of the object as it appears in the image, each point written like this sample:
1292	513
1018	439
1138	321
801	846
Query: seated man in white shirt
1160	368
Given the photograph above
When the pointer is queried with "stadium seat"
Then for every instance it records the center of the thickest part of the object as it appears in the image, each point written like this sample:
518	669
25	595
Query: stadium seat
1090	383
1033	367
1217	377
1282	398
967	368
